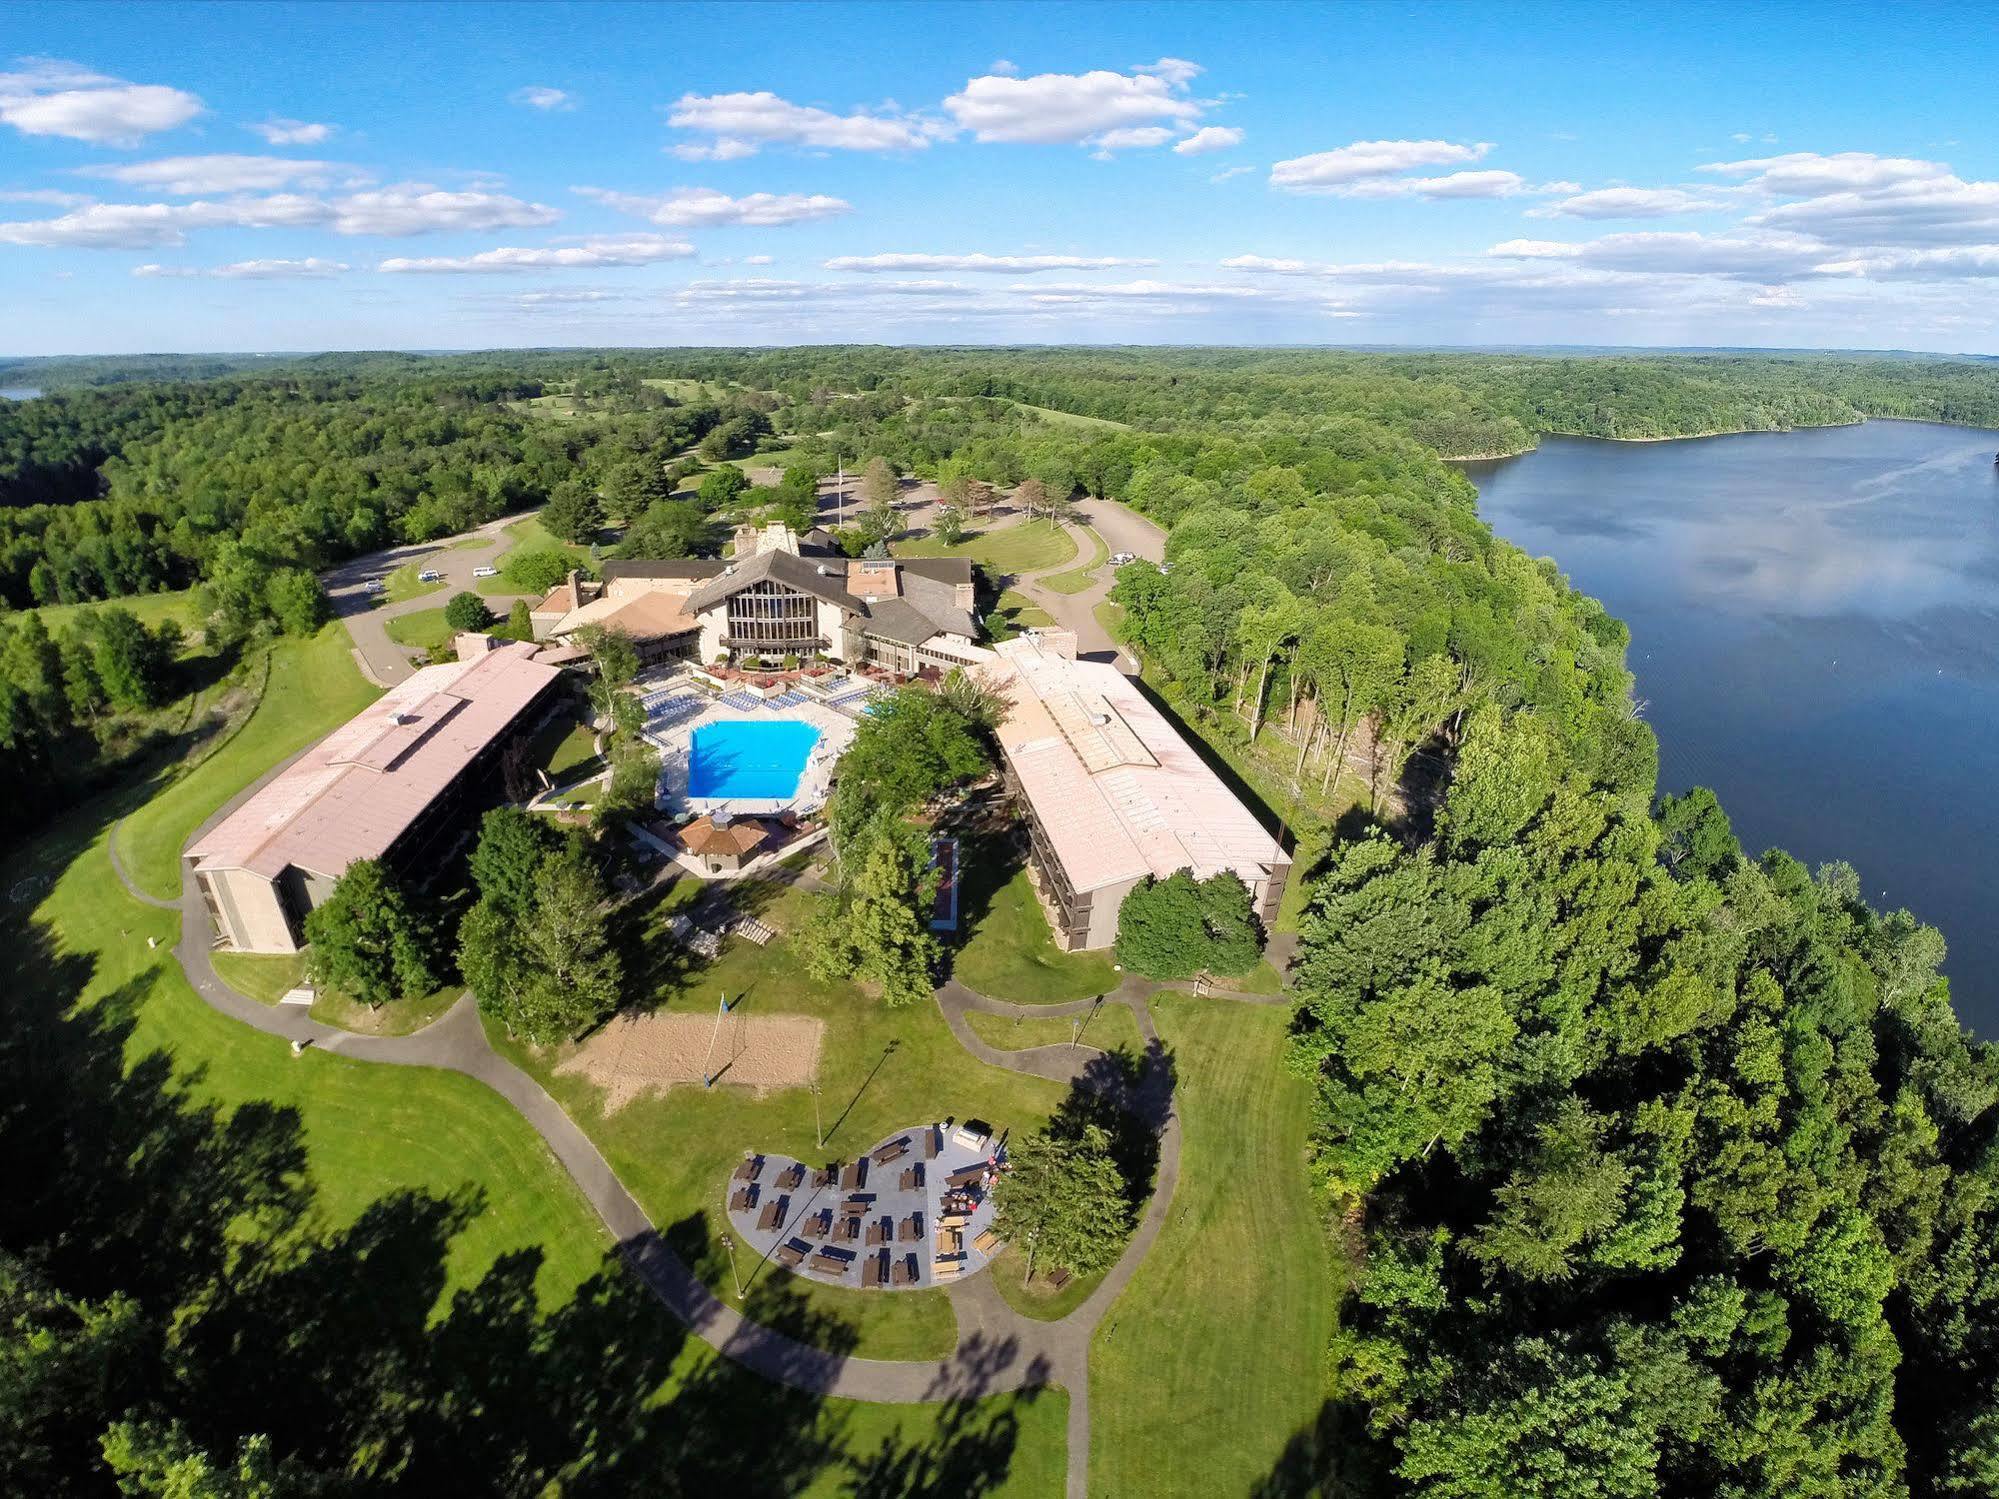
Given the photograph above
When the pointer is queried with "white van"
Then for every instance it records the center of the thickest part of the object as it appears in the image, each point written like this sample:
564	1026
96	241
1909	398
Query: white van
485	570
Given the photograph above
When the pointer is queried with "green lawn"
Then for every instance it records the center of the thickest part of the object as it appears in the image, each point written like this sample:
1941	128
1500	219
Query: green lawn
369	1130
404	583
265	977
1009	953
149	608
1026	547
423	630
1074	419
1078	578
566	750
880	1070
1214	1356
1111	617
399	1017
313	687
1110	1029
524	536
1039	1298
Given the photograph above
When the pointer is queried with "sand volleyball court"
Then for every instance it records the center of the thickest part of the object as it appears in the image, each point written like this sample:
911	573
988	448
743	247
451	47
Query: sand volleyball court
639	1054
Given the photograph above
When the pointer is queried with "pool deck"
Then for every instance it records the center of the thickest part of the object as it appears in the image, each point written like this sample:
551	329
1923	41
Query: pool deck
870	1224
675	743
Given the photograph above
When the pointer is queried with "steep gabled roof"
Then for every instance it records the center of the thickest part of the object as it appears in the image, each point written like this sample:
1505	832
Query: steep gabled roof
801	573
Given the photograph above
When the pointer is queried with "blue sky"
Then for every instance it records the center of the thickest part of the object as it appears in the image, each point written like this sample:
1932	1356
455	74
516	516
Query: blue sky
229	177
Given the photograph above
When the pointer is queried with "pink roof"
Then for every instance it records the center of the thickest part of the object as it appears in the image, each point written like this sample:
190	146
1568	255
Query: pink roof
1118	792
352	794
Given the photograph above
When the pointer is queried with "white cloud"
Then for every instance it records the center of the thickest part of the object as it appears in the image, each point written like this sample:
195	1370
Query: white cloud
408	208
1330	171
1629	203
1489	184
1069	108
1224	176
311	267
1209	138
58	98
138	226
540	96
703	207
190	176
743	121
278	131
49	196
417	208
1130	138
1807	173
1001	65
998	264
724	149
1757	255
586	255
758	259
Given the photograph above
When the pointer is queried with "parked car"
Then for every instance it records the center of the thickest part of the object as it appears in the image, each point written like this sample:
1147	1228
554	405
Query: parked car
376	585
485	570
430	575
1119	559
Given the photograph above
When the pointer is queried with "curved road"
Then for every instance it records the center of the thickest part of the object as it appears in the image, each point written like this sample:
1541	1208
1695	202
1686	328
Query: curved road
382	661
998	1349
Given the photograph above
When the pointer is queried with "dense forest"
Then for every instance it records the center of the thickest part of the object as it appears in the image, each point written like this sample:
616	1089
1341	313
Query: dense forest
1663	1169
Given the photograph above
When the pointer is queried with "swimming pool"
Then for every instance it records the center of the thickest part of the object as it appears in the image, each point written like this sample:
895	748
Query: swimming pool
749	761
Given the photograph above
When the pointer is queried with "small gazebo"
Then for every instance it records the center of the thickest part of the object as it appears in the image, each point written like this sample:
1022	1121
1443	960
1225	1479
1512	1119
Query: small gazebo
723	843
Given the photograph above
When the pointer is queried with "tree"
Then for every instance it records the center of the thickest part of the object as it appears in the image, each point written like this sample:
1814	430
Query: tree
566	948
948	525
878	524
297	601
879	489
669	528
1031	495
1697	837
573	513
612	654
512	847
467	611
366	939
537	571
876	925
633	789
133	663
519	624
722	487
634	485
1180	926
1063	1200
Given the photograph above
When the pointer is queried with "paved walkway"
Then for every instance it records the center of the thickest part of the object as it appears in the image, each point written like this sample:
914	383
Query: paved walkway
998	1350
1123	530
382	660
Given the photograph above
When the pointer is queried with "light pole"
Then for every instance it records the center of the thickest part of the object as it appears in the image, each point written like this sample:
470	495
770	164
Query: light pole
729	1244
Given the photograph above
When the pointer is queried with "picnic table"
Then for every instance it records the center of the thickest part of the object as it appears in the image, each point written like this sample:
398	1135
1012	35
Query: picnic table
894	1150
950	1242
932	1141
986	1242
821	1178
828	1263
792	1177
750	1170
819	1223
912	1177
791	1253
744	1199
772	1217
874	1269
855	1175
904	1273
967	1176
953	1220
946	1269
880	1231
912	1229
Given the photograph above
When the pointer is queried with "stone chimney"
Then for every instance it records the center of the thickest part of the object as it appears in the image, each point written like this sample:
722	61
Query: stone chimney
964	596
471	645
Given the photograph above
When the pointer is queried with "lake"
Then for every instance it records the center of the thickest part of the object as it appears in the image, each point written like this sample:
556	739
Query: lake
1815	632
18	392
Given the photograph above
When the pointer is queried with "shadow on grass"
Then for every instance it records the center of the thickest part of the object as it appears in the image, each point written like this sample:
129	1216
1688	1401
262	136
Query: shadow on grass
1333	1457
170	1255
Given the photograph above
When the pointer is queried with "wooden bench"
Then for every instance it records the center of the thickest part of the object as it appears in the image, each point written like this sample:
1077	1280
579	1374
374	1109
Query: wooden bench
987	1242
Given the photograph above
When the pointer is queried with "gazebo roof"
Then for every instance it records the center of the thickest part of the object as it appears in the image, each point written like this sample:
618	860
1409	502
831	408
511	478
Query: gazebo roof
702	837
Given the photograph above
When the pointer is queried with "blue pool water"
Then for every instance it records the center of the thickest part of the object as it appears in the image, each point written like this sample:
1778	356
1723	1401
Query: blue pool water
751	761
